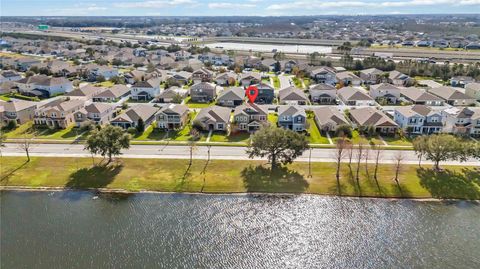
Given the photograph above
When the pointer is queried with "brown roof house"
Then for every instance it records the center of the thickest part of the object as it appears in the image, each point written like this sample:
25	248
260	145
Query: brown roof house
452	96
369	116
214	118
355	97
324	94
131	117
231	97
172	117
98	113
420	96
112	94
249	117
19	111
292	96
329	118
58	113
202	75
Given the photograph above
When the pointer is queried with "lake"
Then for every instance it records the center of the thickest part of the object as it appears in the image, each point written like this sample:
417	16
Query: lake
76	229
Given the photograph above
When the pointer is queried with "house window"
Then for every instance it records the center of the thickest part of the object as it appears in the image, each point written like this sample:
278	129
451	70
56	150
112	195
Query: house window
220	126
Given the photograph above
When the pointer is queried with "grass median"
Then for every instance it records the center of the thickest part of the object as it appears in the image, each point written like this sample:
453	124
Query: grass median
220	176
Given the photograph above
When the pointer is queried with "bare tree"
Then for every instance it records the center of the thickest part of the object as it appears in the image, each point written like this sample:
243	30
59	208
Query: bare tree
350	150
398	159
359	155
366	153
26	145
377	151
340	152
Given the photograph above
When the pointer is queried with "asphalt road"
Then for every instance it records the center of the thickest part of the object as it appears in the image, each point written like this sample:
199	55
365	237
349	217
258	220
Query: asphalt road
201	152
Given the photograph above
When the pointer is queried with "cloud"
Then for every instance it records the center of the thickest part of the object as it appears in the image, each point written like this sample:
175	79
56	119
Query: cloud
385	4
77	9
230	5
154	3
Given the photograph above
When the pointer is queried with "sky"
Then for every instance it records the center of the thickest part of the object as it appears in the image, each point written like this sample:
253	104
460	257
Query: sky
232	7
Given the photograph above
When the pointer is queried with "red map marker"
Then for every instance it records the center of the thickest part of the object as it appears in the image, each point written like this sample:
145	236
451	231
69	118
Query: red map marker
252	93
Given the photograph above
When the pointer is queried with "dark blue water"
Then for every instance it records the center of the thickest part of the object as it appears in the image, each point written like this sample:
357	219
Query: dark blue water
75	230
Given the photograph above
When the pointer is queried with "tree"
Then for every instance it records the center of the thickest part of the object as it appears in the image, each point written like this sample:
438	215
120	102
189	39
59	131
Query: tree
140	126
344	130
359	155
398	158
277	144
100	78
108	141
340	152
419	145
26	145
441	147
377	151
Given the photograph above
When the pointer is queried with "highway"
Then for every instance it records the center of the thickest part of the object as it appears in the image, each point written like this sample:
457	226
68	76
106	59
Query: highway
200	152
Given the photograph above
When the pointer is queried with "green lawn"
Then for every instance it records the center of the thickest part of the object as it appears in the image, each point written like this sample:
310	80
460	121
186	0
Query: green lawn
191	104
307	82
106	83
239	176
297	82
356	138
315	136
150	134
276	82
397	141
4	97
28	130
222	137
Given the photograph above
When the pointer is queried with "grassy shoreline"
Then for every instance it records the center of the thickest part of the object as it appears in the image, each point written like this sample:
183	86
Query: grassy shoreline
219	176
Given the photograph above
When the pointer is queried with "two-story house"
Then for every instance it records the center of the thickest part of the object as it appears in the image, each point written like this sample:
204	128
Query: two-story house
145	90
58	113
203	92
172	117
462	121
418	119
98	113
385	93
18	111
44	86
249	118
266	94
324	75
292	117
371	75
202	75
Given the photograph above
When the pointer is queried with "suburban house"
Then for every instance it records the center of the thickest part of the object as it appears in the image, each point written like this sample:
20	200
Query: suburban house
329	118
399	79
202	75
461	81
112	94
145	90
131	117
355	97
266	94
18	110
182	77
172	117
292	96
97	71
226	79
23	64
168	95
419	96
249	117
250	78
348	79
203	92
86	92
58	113
292	117
271	64
452	96
418	119
370	116
472	90
231	97
323	94
324	75
288	65
9	75
371	75
214	118
44	86
462	121
98	113
384	92
135	75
